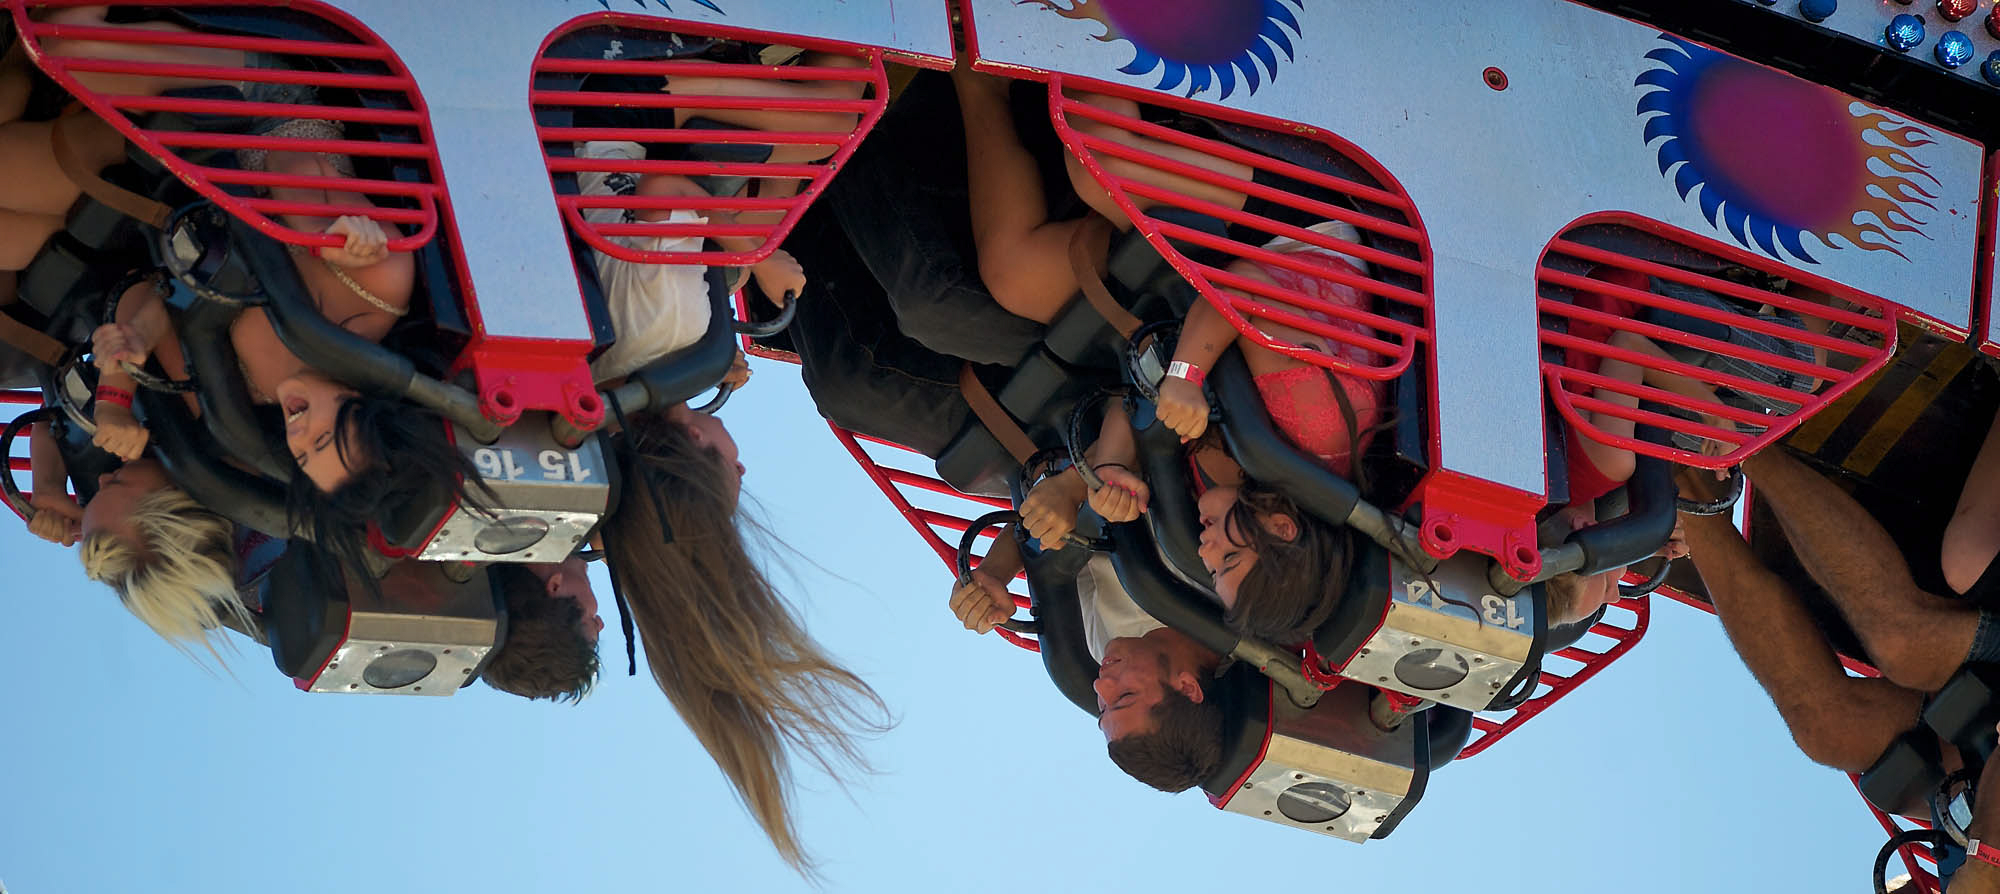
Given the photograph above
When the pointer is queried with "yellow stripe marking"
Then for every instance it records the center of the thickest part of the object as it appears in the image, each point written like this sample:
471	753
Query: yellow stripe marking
1888	430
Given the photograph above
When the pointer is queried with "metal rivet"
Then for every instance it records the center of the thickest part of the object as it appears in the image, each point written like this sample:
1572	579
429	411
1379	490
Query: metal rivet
445	533
1249	785
381	648
1477	660
1444	695
1381	679
332	665
354	686
1267	813
1416	642
447	651
1382	818
1361	653
1298	775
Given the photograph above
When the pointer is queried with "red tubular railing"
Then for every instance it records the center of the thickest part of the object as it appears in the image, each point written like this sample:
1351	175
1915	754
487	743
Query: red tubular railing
1588	662
811	177
395	110
1916	857
896	484
1558	313
1375	344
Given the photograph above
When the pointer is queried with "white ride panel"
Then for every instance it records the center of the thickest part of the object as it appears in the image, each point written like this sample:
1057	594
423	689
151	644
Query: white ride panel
1494	173
471	61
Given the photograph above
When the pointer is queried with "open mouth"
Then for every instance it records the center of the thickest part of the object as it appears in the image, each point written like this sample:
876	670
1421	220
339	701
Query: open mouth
295	409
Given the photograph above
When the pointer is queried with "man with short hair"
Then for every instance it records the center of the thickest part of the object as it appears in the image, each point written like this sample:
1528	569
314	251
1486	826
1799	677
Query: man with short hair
1154	684
552	627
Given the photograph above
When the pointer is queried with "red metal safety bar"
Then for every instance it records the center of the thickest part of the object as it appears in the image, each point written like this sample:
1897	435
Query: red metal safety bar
1917	858
17	454
1733	433
906	488
749	226
1118	151
1566	669
359	82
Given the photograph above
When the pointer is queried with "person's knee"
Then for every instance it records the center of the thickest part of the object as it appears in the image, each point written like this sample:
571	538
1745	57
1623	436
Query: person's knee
1969	547
1912	662
1828	737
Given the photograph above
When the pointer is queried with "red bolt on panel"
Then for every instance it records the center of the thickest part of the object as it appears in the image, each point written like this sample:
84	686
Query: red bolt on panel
1953	10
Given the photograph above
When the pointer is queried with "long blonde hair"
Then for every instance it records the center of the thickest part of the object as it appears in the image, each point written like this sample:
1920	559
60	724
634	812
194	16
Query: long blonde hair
180	575
723	645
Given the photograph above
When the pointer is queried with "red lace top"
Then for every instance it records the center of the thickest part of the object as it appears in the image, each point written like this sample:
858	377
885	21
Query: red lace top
1301	400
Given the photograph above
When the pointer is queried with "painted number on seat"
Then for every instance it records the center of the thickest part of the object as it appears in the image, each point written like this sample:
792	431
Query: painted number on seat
502	464
1498	611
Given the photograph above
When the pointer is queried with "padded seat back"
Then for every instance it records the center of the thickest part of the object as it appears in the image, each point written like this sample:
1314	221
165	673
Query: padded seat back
1245	697
1058	611
305	609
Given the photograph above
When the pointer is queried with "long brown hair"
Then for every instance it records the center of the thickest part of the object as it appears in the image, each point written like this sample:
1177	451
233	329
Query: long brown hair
1296	584
723	645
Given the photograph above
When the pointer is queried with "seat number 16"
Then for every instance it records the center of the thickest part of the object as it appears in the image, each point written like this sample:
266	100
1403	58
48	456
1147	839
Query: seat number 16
556	465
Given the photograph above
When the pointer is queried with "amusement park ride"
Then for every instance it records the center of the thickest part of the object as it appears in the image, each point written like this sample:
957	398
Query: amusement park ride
1732	146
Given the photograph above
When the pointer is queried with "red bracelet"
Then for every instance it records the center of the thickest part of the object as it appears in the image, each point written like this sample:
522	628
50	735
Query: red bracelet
1181	369
109	395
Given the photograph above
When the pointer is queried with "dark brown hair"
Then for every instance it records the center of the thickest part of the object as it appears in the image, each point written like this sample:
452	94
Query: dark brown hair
723	645
1294	585
546	654
398	451
1184	746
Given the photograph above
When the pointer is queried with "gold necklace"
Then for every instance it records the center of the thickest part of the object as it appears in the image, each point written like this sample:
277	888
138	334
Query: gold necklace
353	286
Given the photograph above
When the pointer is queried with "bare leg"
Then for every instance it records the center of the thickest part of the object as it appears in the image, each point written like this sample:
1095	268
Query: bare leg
21	238
35	183
838	124
14	83
1917	639
1972	539
1093	194
132	85
1837	720
1023	256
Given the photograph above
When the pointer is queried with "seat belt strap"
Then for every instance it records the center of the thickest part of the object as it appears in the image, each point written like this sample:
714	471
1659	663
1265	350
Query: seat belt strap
994	417
118	198
1087	247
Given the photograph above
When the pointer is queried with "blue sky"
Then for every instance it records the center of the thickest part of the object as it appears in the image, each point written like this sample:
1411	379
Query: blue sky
125	768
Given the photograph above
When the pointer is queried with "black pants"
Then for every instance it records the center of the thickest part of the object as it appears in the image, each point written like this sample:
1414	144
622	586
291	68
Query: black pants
902	201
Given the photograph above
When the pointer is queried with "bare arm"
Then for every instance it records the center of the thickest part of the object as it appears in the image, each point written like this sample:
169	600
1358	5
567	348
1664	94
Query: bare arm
983	602
57	517
1978	876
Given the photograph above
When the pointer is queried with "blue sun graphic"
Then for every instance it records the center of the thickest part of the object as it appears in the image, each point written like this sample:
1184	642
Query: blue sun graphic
1771	158
1201	44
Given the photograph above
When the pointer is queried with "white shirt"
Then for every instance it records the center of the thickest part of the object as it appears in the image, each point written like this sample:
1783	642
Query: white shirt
656	309
1108	611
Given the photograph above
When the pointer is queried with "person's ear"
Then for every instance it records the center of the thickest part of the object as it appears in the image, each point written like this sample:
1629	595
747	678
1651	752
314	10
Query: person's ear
554	583
1282	526
1186	683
